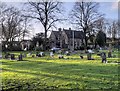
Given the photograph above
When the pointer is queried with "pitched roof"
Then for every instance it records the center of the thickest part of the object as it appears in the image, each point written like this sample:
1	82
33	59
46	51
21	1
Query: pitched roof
69	33
56	33
77	34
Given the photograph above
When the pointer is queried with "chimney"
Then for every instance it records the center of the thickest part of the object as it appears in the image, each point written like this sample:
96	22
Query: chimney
59	29
69	28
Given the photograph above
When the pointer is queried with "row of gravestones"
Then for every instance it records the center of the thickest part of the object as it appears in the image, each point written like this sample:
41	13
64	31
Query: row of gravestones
109	55
12	57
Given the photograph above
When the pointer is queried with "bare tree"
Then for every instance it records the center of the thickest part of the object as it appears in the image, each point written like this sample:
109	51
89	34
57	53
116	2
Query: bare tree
85	14
46	12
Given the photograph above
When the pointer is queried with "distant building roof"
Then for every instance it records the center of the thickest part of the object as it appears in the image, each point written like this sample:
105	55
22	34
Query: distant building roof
77	34
69	33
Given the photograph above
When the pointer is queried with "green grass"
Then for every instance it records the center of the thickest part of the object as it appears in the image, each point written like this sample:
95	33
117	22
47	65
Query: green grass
54	73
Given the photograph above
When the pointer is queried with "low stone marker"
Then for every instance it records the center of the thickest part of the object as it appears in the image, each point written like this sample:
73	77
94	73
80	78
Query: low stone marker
81	57
20	57
103	56
89	56
60	57
12	56
7	55
0	55
67	53
24	55
51	54
109	54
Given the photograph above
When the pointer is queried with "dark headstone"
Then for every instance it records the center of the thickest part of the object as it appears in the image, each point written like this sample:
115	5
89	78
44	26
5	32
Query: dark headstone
89	56
51	54
37	54
60	57
24	55
103	56
53	51
12	57
99	54
81	57
67	53
20	57
109	54
7	55
33	56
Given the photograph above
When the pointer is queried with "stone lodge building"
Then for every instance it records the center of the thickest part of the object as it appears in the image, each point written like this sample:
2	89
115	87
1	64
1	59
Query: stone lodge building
64	38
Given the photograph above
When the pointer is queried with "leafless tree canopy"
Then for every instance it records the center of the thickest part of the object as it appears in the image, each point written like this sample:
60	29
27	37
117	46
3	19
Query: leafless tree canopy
85	14
45	12
12	24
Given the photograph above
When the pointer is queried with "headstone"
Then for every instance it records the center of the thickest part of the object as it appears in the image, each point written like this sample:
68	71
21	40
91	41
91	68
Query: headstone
12	57
7	55
24	55
33	56
109	54
53	51
60	57
67	53
103	56
29	54
20	57
42	54
51	54
37	54
0	55
99	54
81	57
89	56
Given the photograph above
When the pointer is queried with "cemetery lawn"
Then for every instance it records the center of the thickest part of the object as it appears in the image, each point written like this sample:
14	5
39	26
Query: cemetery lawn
54	73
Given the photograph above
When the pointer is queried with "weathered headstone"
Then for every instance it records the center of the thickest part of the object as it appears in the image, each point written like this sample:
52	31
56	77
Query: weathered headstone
12	57
20	57
81	57
103	56
60	57
89	56
33	56
67	53
109	54
7	55
42	54
24	55
51	54
53	51
0	55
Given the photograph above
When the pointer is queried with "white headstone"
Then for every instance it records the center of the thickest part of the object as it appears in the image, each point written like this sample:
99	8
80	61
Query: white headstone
51	54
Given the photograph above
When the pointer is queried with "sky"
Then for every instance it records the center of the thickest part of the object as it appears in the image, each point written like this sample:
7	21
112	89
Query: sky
110	9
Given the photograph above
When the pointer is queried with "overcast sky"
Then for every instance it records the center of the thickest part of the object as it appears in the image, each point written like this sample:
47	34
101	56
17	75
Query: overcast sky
110	9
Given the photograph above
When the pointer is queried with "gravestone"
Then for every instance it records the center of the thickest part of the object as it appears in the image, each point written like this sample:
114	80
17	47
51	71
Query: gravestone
20	57
24	55
89	56
12	57
103	56
109	54
67	53
7	55
51	54
37	54
42	54
0	55
60	57
99	54
29	54
33	56
81	57
53	51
